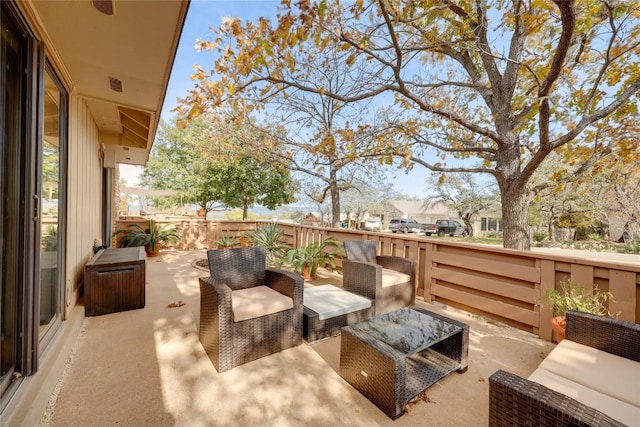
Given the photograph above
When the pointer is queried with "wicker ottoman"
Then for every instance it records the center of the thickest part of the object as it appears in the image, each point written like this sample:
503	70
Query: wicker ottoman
328	308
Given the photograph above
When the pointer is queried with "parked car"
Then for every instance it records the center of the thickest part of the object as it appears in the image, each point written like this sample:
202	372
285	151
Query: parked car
405	225
451	227
430	229
373	224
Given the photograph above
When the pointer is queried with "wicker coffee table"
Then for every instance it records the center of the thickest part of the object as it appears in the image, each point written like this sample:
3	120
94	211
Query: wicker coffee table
393	357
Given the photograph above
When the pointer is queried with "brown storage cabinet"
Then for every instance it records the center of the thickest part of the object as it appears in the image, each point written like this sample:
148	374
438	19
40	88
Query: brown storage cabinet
114	280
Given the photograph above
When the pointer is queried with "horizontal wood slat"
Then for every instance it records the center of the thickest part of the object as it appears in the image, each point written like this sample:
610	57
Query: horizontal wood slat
488	304
506	269
493	286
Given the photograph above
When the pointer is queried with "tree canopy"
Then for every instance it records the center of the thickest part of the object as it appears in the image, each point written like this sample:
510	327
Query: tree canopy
209	162
502	83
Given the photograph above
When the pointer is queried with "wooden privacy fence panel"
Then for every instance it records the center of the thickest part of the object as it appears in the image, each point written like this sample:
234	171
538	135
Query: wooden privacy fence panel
502	284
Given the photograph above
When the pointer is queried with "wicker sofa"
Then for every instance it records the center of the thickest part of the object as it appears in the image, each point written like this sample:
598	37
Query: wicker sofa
248	311
591	378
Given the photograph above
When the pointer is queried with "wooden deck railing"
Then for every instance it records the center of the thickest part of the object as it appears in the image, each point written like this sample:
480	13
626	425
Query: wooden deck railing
501	284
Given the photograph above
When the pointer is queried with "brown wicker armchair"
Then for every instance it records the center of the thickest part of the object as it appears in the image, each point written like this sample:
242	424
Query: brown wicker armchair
246	310
514	400
388	280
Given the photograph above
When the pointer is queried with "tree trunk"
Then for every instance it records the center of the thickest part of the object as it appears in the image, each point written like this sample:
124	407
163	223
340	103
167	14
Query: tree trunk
515	210
245	210
469	224
552	230
335	199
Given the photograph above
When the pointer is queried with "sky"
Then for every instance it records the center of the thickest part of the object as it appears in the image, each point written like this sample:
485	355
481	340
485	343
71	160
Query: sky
206	14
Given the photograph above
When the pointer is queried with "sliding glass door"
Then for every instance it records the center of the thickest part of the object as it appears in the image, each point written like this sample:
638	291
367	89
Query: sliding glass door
52	192
33	123
13	54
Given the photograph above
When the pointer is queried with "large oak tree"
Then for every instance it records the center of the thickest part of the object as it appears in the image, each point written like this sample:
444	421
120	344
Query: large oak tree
504	82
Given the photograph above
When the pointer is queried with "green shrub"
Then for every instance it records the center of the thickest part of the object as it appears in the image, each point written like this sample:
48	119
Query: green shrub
633	247
540	236
574	297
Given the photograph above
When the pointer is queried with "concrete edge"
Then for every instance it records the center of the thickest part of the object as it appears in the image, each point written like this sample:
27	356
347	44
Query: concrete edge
30	401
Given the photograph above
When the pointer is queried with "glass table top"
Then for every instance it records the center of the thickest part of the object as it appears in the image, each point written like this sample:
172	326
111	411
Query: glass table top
407	330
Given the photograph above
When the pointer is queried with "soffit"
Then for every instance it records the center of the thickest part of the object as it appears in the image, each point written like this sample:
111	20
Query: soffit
136	45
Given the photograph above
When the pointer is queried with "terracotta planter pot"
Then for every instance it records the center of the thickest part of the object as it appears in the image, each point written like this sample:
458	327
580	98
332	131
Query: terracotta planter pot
306	273
155	252
558	325
245	242
202	213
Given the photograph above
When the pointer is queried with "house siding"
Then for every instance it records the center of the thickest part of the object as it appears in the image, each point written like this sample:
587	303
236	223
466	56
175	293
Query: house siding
84	196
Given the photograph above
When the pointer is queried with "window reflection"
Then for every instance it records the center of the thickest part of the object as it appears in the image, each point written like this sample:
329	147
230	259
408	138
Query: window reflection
50	239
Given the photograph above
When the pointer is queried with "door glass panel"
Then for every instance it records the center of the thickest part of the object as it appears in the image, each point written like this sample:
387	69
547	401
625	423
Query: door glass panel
12	49
50	238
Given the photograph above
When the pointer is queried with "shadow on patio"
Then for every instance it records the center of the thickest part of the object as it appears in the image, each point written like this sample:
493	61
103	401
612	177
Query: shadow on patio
147	367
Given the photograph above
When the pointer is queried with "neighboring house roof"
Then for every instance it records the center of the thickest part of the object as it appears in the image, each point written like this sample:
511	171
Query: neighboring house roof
418	207
121	70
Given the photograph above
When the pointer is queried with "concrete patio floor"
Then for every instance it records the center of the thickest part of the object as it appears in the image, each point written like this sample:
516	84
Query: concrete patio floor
147	368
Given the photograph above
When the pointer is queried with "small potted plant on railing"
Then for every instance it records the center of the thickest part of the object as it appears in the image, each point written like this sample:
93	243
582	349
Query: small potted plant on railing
574	297
152	238
306	259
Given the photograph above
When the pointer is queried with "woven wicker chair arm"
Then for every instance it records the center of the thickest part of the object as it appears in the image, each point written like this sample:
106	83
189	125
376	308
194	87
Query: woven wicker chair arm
361	263
513	399
285	282
362	278
614	336
221	289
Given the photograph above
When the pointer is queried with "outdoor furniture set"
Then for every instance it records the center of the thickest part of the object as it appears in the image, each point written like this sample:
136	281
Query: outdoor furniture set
591	378
248	311
391	350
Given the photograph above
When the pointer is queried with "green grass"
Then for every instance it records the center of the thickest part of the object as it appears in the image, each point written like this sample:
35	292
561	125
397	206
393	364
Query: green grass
483	240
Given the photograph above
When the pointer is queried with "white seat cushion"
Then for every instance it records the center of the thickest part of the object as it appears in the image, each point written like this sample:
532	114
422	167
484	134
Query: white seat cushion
604	372
331	301
392	277
616	409
258	301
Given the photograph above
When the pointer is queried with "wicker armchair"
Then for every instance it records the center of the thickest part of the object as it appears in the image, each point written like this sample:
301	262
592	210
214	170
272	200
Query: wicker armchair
234	328
518	401
388	280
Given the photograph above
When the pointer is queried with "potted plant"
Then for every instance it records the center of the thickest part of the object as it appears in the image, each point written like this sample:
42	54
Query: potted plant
270	237
574	297
246	240
227	241
152	238
305	260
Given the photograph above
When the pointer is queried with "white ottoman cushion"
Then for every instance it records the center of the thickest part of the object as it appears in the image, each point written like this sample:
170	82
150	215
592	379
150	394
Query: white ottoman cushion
331	301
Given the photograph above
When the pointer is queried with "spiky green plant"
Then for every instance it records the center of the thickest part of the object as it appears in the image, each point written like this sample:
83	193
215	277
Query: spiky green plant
136	235
313	256
270	237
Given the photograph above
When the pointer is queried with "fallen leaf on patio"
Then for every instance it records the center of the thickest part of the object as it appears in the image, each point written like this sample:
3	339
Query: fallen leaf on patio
422	396
175	304
482	380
